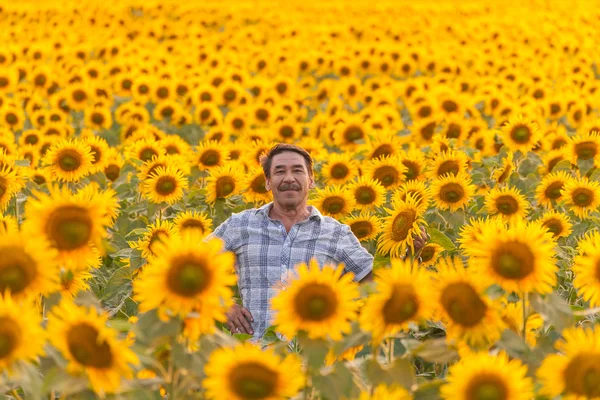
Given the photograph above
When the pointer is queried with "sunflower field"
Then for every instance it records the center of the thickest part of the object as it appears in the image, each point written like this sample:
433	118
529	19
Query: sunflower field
130	130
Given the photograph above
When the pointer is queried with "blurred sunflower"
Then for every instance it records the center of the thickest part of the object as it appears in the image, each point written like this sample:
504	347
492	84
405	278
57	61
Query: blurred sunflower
368	193
254	189
98	118
448	162
470	234
502	174
99	148
466	313
350	132
507	203
81	335
520	134
385	144
400	227
417	189
550	188
21	334
339	168
519	258
452	192
512	315
165	185
223	182
553	157
114	164
334	201
158	232
73	282
30	136
69	160
194	221
176	145
10	184
557	224
582	196
188	274
485	376
383	392
319	301
586	267
572	374
388	171
8	225
246	372
585	146
429	254
403	296
414	161
144	149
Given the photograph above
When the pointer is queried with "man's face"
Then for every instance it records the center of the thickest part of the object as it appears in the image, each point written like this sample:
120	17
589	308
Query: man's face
289	180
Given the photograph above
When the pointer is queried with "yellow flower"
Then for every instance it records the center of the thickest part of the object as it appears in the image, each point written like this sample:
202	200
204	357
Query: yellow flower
339	168
448	162
365	226
452	192
414	163
69	160
81	335
400	227
144	149
415	188
159	231
507	203
321	302
246	372
502	174
255	190
512	315
550	188
485	376
585	146
99	148
582	195
586	268
382	392
73	282
429	254
8	225
211	154
165	185
520	133
223	182
193	220
557	224
10	185
334	201
388	171
368	193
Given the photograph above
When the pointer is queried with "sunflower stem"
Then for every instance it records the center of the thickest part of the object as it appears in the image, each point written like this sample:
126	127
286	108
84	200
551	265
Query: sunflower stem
390	350
16	395
524	300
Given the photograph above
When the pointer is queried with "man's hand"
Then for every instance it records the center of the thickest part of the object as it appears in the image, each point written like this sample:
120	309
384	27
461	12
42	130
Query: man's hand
239	320
419	242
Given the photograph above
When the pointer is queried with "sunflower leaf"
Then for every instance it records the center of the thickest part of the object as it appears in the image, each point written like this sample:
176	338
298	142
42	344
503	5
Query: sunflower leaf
441	239
429	390
553	309
400	372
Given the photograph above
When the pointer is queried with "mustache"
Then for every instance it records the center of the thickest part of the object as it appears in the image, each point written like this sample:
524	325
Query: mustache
289	186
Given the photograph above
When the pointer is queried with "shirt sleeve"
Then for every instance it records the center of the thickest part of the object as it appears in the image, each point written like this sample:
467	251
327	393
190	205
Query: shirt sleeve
354	256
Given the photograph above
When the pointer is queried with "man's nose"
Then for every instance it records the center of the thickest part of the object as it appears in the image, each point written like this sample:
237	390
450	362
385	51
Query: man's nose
288	177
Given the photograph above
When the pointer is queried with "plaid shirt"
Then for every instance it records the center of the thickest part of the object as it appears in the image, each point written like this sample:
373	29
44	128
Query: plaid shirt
266	254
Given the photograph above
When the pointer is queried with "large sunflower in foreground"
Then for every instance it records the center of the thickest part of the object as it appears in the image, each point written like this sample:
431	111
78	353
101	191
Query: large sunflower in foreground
245	372
573	374
550	188
223	182
400	227
490	377
586	267
321	302
10	185
403	296
334	201
69	160
187	274
165	185
519	258
21	336
194	221
365	226
452	192
81	335
507	203
520	133
582	195
466	312
368	193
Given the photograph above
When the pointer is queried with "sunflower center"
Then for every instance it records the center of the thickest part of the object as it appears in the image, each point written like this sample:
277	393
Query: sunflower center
112	172
463	304
229	95
386	175
9	337
487	387
334	204
582	197
69	160
448	167
427	253
586	150
454	131
513	260
402	225
225	186
401	306
97	118
339	171
425	111
286	131
412	169
449	106
147	153
553	190
452	192
253	381
383	150
521	134
162	93
193	224
262	114
582	375
69	227
17	270
188	277
365	195
507	205
552	163
353	133
166	185
316	302
427	131
554	226
96	154
361	229
79	96
87	349
31	139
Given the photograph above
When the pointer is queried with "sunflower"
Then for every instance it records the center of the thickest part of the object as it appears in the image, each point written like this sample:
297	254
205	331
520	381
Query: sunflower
31	137
21	334
99	148
188	274
502	174
208	115
333	200
73	282
388	171
464	310
193	220
383	392
400	227
520	133
98	118
114	164
13	117
211	154
417	189
553	157
339	168
414	161
368	193
365	226
10	184
582	195
507	203
176	145
423	131
69	160
585	146
512	315
254	187
452	192
384	144
586	267
144	149
448	162
78	96
8	225
550	188
223	182
74	225
350	132
403	296
349	355
555	137
519	258
246	372
286	130
485	376
165	185
470	235
573	374
319	301
557	224
158	232
81	335
429	254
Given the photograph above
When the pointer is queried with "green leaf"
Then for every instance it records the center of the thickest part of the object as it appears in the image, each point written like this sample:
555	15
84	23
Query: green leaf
119	282
553	309
242	337
150	327
337	385
22	163
400	372
429	390
441	239
314	350
436	351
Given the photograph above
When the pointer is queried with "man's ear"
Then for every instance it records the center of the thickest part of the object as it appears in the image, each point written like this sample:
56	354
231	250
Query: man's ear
311	183
267	184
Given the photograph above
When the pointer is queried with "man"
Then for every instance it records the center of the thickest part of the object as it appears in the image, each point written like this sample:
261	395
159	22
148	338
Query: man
269	241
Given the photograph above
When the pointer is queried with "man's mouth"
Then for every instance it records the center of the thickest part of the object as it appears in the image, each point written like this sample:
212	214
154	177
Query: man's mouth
288	187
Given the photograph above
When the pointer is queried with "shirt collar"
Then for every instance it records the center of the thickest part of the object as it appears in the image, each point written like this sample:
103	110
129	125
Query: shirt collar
314	213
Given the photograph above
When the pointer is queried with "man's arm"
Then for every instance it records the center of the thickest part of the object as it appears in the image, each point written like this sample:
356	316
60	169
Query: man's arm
354	256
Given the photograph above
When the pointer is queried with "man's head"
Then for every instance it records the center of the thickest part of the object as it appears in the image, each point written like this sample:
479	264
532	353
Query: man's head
288	174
